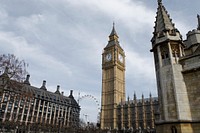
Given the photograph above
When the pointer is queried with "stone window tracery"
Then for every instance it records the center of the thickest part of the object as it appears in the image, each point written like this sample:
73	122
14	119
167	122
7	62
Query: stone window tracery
165	55
175	50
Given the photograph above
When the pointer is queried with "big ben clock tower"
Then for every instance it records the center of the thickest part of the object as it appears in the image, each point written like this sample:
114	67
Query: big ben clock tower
113	81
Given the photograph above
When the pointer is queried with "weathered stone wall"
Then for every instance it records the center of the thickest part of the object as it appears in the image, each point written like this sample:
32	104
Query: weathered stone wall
192	81
179	128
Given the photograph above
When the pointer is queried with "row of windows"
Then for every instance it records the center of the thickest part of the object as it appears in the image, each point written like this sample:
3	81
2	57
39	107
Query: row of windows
27	109
18	96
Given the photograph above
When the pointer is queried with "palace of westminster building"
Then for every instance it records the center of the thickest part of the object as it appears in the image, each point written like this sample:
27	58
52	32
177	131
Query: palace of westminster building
177	66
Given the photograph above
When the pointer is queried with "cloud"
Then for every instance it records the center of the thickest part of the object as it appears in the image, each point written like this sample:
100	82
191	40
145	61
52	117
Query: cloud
22	49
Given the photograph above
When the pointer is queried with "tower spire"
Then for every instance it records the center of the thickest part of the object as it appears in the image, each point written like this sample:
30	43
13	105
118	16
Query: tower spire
164	29
113	32
163	20
113	37
198	17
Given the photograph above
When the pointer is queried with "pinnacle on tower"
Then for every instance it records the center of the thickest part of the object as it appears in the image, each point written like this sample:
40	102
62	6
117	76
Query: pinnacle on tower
113	37
113	32
150	95
163	21
198	17
135	96
164	29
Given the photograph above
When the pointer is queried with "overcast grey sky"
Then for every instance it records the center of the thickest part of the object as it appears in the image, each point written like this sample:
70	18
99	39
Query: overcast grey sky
62	40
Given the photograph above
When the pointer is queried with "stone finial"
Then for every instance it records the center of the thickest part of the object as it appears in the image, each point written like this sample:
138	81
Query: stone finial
135	96
62	93
142	98
198	17
27	80
128	100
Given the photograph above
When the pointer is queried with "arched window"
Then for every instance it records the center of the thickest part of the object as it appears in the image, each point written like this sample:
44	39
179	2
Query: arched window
165	55
174	130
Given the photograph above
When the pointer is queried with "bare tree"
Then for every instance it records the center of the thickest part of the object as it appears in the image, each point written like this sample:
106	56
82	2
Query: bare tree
16	67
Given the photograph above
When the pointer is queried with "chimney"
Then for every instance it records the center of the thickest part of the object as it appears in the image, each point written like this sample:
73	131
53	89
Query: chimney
43	85
71	92
58	90
27	80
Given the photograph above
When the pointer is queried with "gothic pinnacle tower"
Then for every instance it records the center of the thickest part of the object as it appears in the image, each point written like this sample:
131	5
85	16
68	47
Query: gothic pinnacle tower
168	49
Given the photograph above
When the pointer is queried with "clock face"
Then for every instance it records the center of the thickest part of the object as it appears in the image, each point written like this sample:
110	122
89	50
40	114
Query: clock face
108	57
120	58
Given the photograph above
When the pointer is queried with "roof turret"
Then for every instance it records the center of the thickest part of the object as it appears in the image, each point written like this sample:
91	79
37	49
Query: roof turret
113	37
27	80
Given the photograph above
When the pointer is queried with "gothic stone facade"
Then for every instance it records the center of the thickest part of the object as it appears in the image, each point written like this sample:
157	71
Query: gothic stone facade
137	114
177	65
23	104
